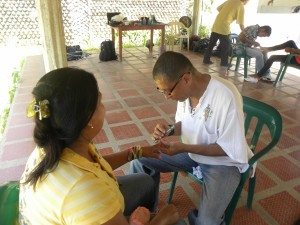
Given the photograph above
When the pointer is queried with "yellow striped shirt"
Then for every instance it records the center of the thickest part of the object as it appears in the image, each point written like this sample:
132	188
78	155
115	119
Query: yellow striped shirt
76	192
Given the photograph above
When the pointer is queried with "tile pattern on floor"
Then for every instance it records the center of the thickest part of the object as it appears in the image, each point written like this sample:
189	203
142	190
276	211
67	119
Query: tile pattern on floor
133	107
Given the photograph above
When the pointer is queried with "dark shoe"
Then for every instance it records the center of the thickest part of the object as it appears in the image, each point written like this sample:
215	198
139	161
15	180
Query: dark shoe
208	63
192	217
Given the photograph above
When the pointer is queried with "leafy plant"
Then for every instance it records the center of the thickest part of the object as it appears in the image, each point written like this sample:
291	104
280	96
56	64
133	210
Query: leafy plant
207	5
203	31
15	78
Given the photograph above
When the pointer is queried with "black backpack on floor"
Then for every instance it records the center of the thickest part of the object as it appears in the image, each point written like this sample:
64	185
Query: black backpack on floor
108	51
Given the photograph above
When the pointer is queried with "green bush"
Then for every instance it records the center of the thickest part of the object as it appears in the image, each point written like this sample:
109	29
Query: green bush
203	31
15	78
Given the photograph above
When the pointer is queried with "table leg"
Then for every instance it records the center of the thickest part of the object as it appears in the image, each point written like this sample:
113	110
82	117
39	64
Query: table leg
120	43
151	42
162	46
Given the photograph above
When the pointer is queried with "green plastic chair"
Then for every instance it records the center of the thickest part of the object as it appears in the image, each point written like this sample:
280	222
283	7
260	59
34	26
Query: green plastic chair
9	203
284	66
260	118
238	51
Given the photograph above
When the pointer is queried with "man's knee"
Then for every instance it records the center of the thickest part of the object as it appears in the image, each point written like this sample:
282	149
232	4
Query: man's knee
259	56
291	43
147	182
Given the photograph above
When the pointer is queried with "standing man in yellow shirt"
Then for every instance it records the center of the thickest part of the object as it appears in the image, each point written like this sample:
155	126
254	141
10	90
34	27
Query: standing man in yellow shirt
229	11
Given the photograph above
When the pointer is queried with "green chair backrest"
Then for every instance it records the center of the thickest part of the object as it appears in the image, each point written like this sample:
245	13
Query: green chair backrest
9	203
233	38
259	117
265	115
238	51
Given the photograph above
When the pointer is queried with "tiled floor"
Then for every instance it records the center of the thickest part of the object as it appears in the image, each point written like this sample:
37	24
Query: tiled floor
134	107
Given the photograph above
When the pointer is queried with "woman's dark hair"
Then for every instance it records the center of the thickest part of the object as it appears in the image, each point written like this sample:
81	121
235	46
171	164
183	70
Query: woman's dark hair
172	65
73	95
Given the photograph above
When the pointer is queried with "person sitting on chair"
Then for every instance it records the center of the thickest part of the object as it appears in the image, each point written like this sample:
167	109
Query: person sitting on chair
66	180
248	37
289	47
210	121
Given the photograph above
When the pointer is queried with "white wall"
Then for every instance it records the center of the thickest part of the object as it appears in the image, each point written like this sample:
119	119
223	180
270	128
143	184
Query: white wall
285	26
279	6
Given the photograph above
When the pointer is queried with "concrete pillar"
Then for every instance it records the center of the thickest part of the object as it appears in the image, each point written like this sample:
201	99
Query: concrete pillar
52	34
196	16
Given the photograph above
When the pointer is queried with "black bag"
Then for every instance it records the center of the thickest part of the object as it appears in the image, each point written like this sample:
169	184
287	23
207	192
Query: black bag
108	51
200	45
74	52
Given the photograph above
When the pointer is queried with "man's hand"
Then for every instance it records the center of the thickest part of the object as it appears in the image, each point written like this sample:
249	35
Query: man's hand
255	44
292	50
151	151
170	148
159	131
288	50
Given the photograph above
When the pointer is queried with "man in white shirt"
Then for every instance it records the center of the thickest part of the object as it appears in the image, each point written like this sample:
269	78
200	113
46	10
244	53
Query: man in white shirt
210	121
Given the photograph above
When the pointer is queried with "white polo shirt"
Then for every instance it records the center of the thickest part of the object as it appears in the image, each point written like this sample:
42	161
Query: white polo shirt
218	118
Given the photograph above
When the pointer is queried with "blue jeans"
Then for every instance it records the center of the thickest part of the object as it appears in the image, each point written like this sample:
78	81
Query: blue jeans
219	183
260	58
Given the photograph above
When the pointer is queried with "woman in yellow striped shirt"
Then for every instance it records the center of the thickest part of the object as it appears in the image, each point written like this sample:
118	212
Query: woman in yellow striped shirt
66	181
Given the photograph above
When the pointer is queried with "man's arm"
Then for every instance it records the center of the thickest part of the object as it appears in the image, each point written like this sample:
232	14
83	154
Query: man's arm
296	51
292	50
242	27
173	148
248	41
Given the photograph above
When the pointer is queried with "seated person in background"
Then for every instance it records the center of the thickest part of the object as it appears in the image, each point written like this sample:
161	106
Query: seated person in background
66	181
248	37
289	47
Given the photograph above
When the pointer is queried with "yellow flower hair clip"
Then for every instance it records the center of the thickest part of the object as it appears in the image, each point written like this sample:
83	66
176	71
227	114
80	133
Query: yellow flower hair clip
42	108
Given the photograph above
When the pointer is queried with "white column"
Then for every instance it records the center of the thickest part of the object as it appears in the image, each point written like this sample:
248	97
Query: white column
52	34
196	16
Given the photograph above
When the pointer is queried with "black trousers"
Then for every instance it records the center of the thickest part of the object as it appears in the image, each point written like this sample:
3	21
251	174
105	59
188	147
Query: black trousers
137	190
224	45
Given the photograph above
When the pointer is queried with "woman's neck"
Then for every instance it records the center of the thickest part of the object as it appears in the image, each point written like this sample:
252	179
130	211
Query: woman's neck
81	147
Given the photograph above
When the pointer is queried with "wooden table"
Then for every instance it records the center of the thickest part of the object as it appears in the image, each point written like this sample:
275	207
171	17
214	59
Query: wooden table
121	28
